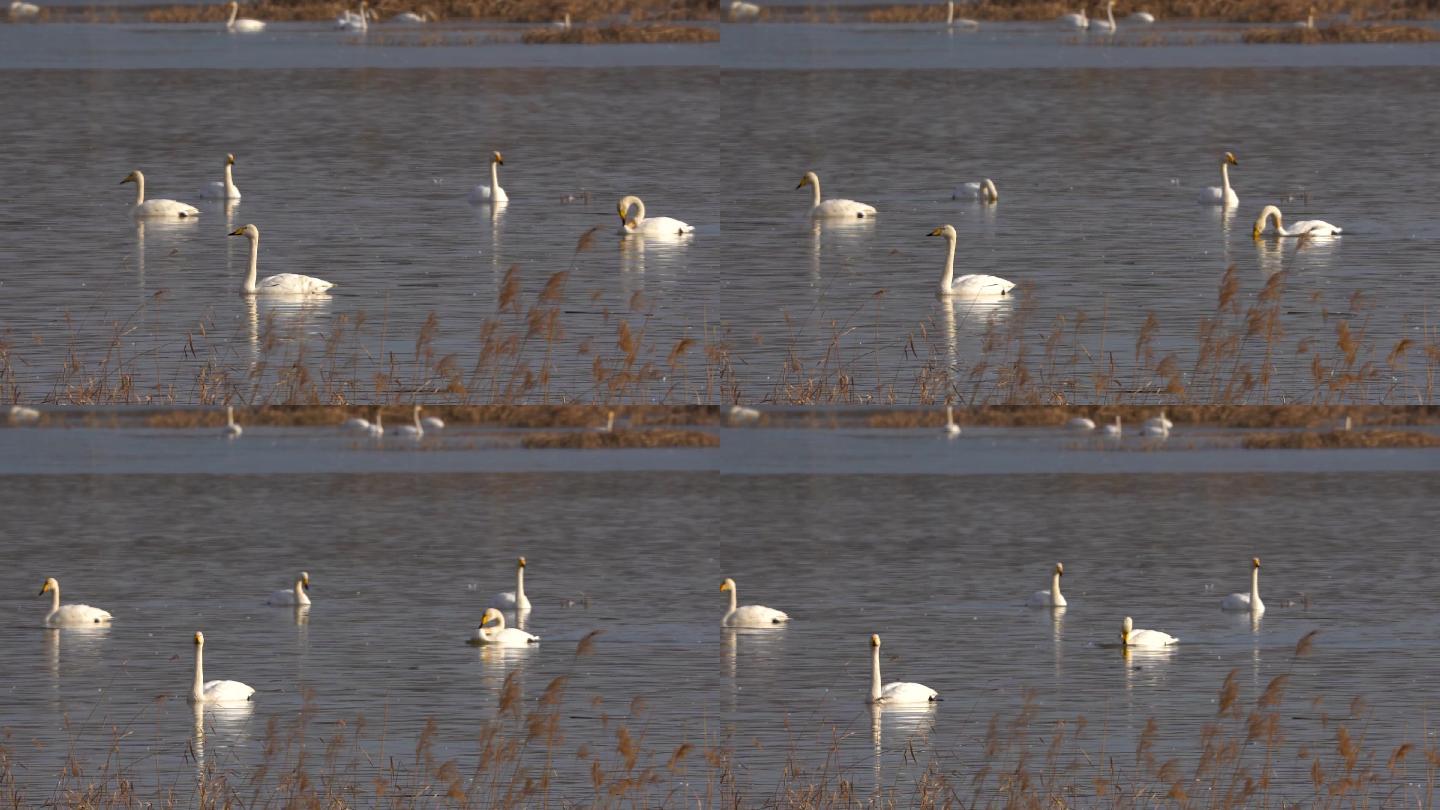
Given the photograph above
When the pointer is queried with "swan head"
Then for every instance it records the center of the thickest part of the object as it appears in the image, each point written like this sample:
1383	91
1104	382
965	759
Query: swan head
947	231
624	206
1254	562
1230	159
990	190
727	585
495	158
808	179
1126	627
199	639
521	563
1059	569
249	231
230	159
874	639
1265	214
491	615
132	177
50	585
305	580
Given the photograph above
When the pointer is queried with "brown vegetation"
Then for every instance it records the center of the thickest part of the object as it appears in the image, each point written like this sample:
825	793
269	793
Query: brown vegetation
1239	11
615	439
500	416
1341	440
1342	32
1224	416
615	33
494	10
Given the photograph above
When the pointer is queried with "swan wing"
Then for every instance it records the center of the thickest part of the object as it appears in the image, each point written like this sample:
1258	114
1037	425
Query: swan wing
1312	227
503	601
1236	601
282	597
356	424
214	190
166	208
1039	599
903	692
480	193
248	26
755	616
843	208
966	191
976	286
78	615
293	284
227	692
433	423
663	226
1151	638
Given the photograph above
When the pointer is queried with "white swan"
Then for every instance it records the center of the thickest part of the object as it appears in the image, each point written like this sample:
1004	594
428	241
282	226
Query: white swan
156	208
963	22
833	208
70	615
1154	430
563	23
897	693
414	430
1222	194
647	226
741	415
1308	22
749	615
358	424
500	635
1052	597
1142	17
432	423
984	191
516	599
1144	639
741	10
350	21
292	596
971	285
951	429
231	430
1078	21
242	25
281	283
411	18
21	10
1112	430
1160	421
491	192
227	190
1080	423
1247	601
377	428
21	415
203	691
1305	227
1107	25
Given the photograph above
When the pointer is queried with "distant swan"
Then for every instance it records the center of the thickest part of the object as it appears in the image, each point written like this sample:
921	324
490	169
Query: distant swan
951	429
969	285
1079	21
491	192
1247	601
741	10
350	21
1080	423
243	25
1052	597
281	283
377	428
214	691
1160	421
563	23
1305	227
216	190
833	208
647	226
897	693
984	191
962	22
1143	17
1144	639
21	415
292	596
741	415
231	430
70	615
22	10
411	18
1107	25
156	208
516	599
1222	194
749	615
411	431
1308	22
500	635
1112	430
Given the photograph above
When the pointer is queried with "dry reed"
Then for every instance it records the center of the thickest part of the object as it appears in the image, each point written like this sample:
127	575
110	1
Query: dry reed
614	439
615	33
1341	439
1341	32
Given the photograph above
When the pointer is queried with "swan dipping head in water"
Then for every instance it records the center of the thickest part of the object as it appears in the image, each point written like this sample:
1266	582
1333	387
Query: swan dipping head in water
1305	227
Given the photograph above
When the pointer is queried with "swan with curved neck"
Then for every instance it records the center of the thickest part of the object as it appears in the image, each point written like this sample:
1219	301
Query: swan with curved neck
1107	25
298	595
516	599
281	283
1143	639
984	190
231	429
1305	227
895	693
203	691
647	226
242	25
70	615
971	285
156	208
493	192
833	209
1222	194
1247	601
749	615
1052	597
226	190
1308	22
500	635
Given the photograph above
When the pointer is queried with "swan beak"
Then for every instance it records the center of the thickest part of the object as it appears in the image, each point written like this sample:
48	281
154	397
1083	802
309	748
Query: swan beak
499	159
44	589
937	232
802	184
724	586
238	232
230	159
128	178
522	562
1255	234
621	210
1256	561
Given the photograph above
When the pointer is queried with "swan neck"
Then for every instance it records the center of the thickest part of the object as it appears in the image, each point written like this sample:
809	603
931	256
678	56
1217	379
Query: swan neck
874	674
950	12
229	174
1110	14
949	276
494	179
139	188
197	690
234	12
1254	587
254	263
1055	588
520	587
1225	180
815	186
734	599
639	210
55	599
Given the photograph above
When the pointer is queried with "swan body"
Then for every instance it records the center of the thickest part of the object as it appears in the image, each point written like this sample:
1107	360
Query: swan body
1142	17
432	423
1155	431
741	415
647	226
1247	601
984	191
242	25
21	10
1052	597
749	615
952	22
563	23
740	10
500	635
1222	194
1112	430
1076	21
1107	25
833	209
952	430
156	208
376	428
292	596
203	691
1305	227
1080	423
969	285
411	18
516	599
895	693
1144	639
21	415
1159	421
231	430
227	190
280	284
414	430
350	21
357	424
70	615
491	192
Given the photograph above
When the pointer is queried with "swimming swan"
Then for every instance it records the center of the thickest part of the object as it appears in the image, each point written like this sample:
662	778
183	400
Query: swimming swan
70	615
833	208
647	226
20	10
1052	597
1080	423
970	285
984	191
1142	17
1079	21
1305	227
1308	22
1144	639
1112	430
952	22
216	190
1222	194
243	25
415	430
292	596
500	635
1159	421
951	429
749	615
1107	25
280	284
493	192
516	599
741	10
350	21
156	208
898	693
1247	601
411	18
214	691
377	428
231	430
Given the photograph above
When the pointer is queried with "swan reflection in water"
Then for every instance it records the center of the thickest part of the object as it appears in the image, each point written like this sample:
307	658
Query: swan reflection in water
665	255
1306	253
848	237
286	318
904	727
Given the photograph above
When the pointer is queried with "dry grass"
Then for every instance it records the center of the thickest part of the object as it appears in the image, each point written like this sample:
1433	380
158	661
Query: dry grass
1342	32
494	10
615	439
502	416
1341	440
1240	11
1223	416
615	34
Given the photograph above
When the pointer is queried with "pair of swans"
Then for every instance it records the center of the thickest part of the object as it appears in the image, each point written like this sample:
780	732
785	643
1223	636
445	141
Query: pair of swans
281	283
984	191
1305	227
222	190
1223	194
963	22
232	430
638	223
171	209
836	208
516	599
749	615
21	415
376	429
242	25
70	615
970	285
295	596
491	193
498	634
203	691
